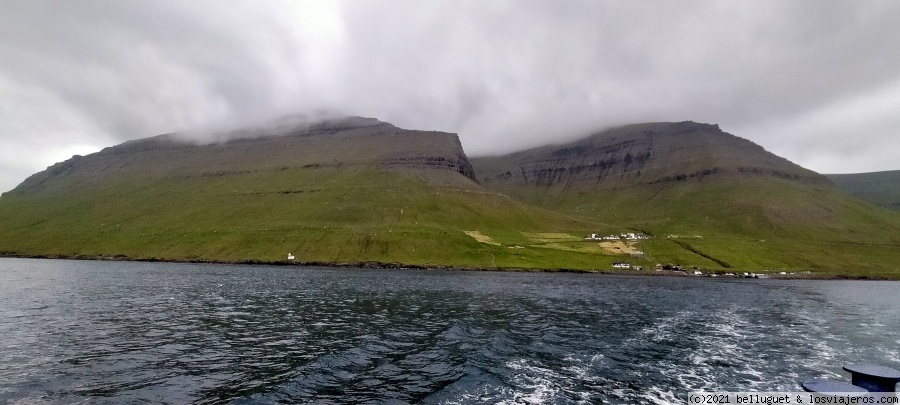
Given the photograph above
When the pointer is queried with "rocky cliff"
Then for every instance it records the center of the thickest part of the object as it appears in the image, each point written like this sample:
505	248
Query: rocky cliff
640	154
343	142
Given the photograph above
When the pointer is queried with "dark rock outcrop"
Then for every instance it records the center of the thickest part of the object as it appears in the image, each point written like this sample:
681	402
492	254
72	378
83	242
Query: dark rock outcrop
348	141
640	154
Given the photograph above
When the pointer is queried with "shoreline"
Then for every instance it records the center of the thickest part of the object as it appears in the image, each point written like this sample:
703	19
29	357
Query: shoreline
399	266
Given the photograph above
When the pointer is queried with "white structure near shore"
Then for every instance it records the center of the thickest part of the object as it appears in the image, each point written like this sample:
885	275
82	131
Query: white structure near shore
626	236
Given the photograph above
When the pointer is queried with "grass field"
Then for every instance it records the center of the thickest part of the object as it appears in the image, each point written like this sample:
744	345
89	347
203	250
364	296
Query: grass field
751	224
365	215
320	215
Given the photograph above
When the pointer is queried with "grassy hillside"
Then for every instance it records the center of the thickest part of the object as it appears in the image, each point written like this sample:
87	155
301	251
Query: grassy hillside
754	224
724	210
357	191
879	188
337	196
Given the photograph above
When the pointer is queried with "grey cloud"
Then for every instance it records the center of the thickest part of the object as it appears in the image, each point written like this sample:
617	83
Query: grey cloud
794	77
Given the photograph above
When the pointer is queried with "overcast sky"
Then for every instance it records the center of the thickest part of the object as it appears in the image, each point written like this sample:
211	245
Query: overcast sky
817	82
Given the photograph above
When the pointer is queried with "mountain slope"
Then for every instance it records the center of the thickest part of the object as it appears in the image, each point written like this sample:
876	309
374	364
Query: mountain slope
347	142
357	190
711	198
879	188
640	154
343	191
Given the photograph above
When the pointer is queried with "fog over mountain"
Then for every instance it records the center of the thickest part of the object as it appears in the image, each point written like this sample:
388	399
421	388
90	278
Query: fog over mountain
815	82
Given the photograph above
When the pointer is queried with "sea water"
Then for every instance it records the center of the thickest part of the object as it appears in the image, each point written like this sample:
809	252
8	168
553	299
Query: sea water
128	332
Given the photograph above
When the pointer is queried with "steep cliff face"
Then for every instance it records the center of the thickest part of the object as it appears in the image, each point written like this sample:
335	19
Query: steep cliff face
345	142
636	155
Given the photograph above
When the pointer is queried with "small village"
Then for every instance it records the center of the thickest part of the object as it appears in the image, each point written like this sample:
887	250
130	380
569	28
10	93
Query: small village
627	248
622	243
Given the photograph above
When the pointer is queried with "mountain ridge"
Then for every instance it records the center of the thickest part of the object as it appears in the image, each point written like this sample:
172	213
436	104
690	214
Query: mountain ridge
352	140
358	191
337	193
730	197
629	154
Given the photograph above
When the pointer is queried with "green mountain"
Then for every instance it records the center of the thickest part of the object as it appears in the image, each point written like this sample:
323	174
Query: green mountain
711	199
341	191
879	188
358	191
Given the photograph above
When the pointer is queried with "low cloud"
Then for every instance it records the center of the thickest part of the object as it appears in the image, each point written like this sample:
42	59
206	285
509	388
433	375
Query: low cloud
815	82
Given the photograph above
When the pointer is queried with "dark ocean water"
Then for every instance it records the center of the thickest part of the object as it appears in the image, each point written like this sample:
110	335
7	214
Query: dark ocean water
114	332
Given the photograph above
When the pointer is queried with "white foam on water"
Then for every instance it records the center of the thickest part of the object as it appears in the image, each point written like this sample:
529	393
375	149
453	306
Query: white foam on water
655	395
816	334
727	338
663	330
581	369
893	354
534	384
